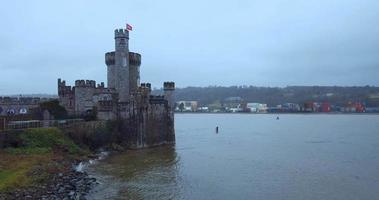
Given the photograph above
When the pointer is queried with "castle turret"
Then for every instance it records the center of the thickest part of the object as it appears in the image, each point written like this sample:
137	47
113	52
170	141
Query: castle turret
66	96
134	75
118	65
169	88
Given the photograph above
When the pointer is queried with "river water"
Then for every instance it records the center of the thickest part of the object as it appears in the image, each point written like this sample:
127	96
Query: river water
252	157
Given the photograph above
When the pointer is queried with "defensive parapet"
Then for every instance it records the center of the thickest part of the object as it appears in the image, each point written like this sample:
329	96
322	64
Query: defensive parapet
66	96
85	83
121	33
101	85
110	58
169	88
63	89
134	58
146	86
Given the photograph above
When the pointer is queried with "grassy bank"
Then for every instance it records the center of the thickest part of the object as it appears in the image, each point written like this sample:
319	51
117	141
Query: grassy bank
32	156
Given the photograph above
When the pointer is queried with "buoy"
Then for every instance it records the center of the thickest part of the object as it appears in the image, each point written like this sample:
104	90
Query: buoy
277	118
216	129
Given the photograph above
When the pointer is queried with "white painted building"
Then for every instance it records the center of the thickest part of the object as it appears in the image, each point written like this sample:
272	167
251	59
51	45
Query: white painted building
188	106
257	107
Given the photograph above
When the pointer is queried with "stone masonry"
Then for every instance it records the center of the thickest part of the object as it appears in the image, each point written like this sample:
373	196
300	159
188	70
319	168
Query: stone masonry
147	120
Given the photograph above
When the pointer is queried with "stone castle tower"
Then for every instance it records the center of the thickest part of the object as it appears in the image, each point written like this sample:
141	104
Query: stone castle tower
148	120
123	66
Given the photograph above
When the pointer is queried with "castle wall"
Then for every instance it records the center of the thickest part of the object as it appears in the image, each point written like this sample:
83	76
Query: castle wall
145	120
66	96
83	99
169	88
148	124
107	108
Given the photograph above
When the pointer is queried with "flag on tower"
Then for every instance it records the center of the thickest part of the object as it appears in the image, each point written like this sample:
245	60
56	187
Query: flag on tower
129	27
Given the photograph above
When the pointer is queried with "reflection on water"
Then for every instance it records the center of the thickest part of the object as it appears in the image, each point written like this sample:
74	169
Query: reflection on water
252	157
143	174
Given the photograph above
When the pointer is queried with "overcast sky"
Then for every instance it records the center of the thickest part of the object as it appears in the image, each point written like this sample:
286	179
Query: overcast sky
194	43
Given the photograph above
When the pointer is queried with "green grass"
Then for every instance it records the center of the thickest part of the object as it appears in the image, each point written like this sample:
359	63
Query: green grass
38	157
44	140
14	170
13	179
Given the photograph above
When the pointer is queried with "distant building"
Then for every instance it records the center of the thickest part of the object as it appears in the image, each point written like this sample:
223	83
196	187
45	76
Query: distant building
234	110
372	109
310	106
325	107
290	107
233	104
19	105
354	107
257	107
186	106
203	109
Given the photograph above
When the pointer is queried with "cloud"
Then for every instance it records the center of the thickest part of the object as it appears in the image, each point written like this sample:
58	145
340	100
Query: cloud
274	43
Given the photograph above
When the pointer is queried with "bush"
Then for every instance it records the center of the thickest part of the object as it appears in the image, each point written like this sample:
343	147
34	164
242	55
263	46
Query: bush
103	135
58	111
43	140
90	115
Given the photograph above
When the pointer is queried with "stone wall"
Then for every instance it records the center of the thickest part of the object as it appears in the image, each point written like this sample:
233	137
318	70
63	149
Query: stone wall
84	99
148	125
66	96
143	120
134	71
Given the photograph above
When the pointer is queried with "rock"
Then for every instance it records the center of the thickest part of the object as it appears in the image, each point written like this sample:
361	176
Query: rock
68	184
61	190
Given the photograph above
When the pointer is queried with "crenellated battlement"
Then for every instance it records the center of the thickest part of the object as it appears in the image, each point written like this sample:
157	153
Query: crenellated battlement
121	33
61	83
110	58
134	58
146	120
85	83
101	85
63	89
169	86
145	89
146	85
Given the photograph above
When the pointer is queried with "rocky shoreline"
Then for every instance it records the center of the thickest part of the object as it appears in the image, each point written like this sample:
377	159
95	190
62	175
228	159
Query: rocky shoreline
66	185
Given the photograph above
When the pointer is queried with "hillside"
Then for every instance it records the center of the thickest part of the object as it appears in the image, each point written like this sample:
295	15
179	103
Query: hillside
275	95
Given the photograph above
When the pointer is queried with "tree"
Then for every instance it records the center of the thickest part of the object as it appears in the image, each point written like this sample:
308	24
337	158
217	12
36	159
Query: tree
58	111
91	115
181	107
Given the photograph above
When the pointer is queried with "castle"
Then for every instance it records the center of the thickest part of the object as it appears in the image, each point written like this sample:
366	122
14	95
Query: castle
147	120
